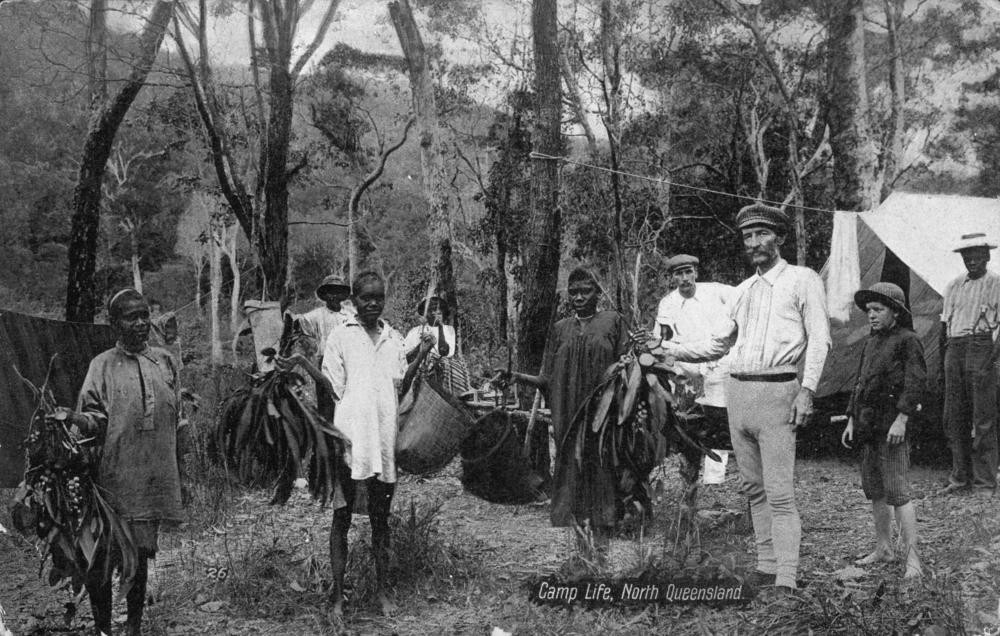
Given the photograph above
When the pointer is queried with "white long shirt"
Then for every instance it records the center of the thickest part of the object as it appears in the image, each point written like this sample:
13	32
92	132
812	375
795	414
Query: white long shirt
320	323
412	340
779	324
697	318
365	375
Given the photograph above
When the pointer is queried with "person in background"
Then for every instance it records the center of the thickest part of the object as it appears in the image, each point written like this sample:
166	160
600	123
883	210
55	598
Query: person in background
129	402
890	385
579	349
694	311
436	314
969	324
318	324
365	365
778	328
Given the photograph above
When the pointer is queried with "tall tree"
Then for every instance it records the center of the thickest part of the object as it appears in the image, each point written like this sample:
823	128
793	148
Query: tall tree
855	158
432	148
541	257
81	293
262	215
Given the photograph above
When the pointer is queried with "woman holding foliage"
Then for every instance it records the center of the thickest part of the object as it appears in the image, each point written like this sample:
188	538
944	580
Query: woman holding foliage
579	349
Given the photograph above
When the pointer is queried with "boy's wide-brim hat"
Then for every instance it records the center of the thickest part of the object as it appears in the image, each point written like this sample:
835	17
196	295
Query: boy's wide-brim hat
888	294
976	239
332	284
760	214
681	260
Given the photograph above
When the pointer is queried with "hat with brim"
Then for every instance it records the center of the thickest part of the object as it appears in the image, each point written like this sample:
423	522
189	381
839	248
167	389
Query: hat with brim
888	294
760	214
434	299
332	284
976	239
681	260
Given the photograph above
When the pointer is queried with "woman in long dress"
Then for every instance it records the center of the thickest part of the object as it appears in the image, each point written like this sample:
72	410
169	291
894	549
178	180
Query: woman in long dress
578	351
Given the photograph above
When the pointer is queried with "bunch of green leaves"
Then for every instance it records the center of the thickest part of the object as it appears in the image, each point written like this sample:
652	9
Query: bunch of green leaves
267	429
61	502
629	418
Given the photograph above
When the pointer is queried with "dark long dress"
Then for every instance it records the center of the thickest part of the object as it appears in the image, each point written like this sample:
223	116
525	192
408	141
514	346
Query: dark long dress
576	355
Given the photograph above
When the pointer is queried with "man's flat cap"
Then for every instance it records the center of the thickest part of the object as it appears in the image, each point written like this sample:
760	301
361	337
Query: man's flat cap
760	214
681	260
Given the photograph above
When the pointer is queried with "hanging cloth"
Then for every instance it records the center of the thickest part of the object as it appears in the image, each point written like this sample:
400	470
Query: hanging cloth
843	275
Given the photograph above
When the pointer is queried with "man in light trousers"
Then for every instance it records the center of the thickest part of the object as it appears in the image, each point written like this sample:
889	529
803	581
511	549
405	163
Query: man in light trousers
777	339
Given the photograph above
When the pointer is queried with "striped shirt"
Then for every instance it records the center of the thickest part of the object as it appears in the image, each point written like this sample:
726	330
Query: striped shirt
779	323
971	306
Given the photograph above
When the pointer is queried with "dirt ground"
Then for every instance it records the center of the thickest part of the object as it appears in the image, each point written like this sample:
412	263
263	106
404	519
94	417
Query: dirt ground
242	567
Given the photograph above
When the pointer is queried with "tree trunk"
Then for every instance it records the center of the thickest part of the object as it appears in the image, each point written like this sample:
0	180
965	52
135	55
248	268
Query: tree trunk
892	155
272	233
81	292
215	293
854	154
136	271
432	147
540	272
97	53
199	269
231	249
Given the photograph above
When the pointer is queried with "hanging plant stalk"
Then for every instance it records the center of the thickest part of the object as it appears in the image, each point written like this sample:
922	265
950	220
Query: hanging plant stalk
266	431
60	502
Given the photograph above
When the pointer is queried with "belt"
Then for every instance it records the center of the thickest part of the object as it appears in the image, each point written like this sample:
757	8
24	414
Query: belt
764	377
972	336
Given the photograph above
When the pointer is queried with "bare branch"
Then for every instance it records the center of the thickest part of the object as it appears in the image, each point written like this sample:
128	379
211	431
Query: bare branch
324	26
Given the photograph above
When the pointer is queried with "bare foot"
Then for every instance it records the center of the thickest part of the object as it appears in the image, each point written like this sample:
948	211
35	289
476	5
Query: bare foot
880	555
914	570
389	607
337	611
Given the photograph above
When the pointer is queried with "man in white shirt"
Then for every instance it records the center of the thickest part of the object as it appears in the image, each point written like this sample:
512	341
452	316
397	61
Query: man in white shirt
694	311
779	332
969	321
335	311
318	324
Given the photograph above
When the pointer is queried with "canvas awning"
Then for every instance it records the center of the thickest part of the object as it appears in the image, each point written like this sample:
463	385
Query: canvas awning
921	230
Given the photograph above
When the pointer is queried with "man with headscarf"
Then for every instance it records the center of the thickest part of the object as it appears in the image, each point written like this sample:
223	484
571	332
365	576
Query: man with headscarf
778	337
129	402
969	322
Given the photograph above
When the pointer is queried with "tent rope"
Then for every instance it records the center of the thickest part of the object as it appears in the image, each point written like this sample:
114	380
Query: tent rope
538	155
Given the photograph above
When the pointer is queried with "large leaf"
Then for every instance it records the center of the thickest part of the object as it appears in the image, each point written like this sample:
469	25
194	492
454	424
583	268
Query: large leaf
632	386
608	395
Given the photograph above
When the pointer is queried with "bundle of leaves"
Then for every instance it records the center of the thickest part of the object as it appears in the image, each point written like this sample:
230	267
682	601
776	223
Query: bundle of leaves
267	429
60	502
629	419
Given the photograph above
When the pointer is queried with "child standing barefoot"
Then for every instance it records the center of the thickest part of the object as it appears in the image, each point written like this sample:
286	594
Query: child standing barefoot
890	384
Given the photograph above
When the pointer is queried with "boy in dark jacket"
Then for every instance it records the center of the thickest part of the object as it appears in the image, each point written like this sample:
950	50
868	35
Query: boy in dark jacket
890	385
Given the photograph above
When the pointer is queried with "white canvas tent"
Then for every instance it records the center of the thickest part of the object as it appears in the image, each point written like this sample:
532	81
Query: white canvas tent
921	230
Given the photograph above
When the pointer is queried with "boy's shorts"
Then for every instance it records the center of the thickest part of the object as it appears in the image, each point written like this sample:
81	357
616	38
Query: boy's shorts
885	471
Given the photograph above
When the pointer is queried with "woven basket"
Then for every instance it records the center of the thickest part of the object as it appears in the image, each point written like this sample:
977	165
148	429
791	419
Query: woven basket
431	431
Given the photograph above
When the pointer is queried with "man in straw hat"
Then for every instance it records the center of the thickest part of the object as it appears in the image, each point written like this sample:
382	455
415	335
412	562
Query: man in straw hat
969	326
318	324
129	402
888	392
777	337
692	312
